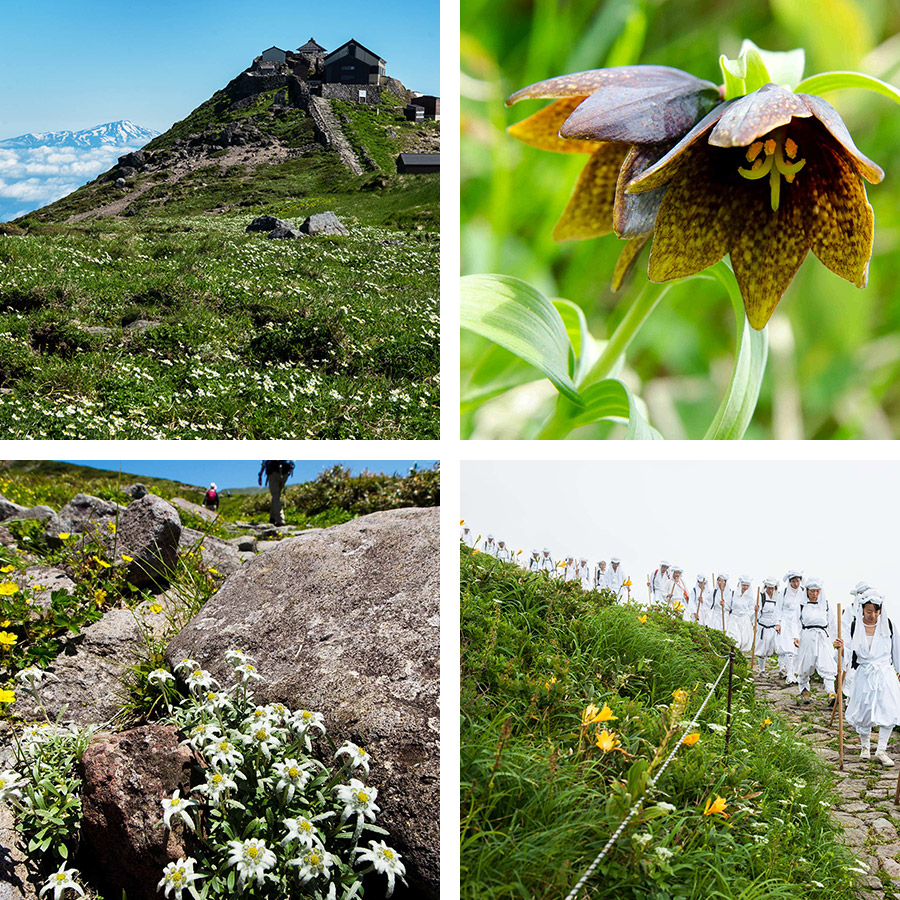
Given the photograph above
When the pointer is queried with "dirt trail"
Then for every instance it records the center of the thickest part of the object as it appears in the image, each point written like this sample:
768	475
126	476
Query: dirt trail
866	810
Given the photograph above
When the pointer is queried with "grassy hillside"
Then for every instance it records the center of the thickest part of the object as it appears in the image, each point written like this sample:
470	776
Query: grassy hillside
335	496
148	312
540	798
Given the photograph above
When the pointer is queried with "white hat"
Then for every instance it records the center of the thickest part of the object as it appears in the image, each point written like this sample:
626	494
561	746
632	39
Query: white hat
490	537
582	559
546	549
677	569
793	573
664	563
701	579
535	552
860	589
814	584
722	575
744	580
770	582
212	486
615	559
872	596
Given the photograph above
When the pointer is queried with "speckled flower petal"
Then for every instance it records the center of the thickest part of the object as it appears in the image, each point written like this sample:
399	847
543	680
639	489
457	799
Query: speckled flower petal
830	118
750	117
542	129
698	214
768	247
664	170
589	213
842	222
585	83
642	110
627	259
635	214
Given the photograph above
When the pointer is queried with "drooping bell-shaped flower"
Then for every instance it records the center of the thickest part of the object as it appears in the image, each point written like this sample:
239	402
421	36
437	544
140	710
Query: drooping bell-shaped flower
626	118
765	178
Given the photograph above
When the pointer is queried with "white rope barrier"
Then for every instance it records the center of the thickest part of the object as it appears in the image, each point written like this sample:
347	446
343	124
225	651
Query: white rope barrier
638	803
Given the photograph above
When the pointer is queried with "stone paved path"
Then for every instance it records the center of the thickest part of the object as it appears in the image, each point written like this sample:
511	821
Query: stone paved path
866	810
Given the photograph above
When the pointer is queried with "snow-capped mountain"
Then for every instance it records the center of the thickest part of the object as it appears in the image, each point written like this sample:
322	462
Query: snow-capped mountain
114	134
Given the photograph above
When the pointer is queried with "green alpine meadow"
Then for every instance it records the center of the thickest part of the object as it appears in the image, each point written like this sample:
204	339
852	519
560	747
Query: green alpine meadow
597	761
140	306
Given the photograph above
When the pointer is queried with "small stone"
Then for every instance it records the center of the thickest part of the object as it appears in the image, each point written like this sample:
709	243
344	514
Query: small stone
120	182
884	828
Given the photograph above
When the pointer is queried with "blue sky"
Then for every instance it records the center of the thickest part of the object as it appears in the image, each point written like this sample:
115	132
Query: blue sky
66	65
236	473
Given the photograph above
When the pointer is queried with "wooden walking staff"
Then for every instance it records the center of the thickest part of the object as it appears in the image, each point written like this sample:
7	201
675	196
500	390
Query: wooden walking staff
840	694
755	620
722	600
649	591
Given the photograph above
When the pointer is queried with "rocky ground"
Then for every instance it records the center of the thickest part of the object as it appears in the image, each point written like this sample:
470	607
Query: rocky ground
867	812
343	620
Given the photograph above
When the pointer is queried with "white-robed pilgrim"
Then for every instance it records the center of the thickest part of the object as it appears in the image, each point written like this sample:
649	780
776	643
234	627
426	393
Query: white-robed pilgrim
545	563
678	592
740	615
693	609
615	577
659	584
875	660
817	628
465	535
769	618
503	552
601	576
570	570
791	598
583	571
534	561
719	596
489	546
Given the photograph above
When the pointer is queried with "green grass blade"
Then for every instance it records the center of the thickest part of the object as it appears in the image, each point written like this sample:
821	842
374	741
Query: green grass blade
826	82
611	399
517	316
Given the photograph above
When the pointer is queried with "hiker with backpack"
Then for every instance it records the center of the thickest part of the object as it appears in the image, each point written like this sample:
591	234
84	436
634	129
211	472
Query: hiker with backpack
873	655
277	472
816	625
768	624
211	499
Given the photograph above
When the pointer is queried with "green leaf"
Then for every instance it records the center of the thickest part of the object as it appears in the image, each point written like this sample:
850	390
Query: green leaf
757	74
496	372
734	71
826	82
784	68
582	342
737	407
611	399
513	314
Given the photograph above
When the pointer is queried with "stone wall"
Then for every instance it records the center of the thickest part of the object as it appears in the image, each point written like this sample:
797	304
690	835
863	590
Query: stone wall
351	92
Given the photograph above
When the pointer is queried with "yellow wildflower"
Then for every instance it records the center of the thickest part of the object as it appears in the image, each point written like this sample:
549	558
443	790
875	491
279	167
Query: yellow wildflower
716	807
126	558
475	552
462	521
7	569
766	721
5	623
549	684
100	562
7	639
156	608
8	588
99	597
642	619
215	571
7	696
111	526
64	535
607	740
690	739
680	695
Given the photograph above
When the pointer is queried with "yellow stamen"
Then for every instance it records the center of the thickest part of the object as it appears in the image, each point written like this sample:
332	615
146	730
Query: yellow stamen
753	150
756	165
775	166
770	146
790	148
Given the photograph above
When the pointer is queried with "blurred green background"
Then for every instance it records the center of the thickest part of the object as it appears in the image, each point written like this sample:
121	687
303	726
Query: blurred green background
834	349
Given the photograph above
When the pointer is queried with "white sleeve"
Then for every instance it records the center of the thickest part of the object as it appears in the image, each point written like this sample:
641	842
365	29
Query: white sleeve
895	646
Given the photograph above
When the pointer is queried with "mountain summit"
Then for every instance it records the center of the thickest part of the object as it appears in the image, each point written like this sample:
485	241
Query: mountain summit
113	134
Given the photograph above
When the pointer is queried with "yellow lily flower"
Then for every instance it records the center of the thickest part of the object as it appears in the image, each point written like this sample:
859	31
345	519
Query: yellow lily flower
607	740
716	807
690	739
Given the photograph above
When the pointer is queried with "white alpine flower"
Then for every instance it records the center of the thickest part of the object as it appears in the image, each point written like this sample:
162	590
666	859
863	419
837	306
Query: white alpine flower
177	806
302	830
11	784
33	677
61	881
313	862
385	860
292	776
179	876
252	859
186	665
358	800
217	783
237	658
356	755
199	680
246	672
224	753
302	720
160	675
215	701
201	736
264	737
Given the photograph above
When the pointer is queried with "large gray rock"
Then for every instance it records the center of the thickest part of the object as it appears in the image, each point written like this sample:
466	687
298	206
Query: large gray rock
44	580
14	883
85	514
216	553
194	508
10	510
284	231
87	686
136	491
323	223
126	776
345	620
266	223
149	531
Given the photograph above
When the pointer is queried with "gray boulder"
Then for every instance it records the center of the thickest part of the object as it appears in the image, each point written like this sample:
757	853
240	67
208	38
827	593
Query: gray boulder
216	553
149	531
284	231
46	580
345	620
120	182
245	543
265	223
10	510
136	491
194	508
324	223
85	514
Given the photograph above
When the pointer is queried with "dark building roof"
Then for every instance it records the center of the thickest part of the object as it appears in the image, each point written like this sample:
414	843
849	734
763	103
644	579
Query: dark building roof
274	48
311	47
420	159
361	47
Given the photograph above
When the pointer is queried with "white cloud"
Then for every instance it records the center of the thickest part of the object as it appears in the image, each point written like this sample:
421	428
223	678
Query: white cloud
39	175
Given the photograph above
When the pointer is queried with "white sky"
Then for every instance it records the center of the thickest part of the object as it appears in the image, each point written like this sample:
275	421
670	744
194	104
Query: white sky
833	519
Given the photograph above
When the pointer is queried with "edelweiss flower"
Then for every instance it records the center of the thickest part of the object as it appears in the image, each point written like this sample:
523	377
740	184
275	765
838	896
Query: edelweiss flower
263	737
359	800
224	752
177	806
217	783
186	665
178	876
199	679
626	118
217	700
302	720
246	672
301	830
356	755
237	657
160	676
252	859
11	784
293	776
385	860
313	862
724	194
33	677
60	882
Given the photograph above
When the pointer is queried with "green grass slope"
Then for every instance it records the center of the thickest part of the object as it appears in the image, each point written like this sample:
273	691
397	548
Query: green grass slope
540	799
163	319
